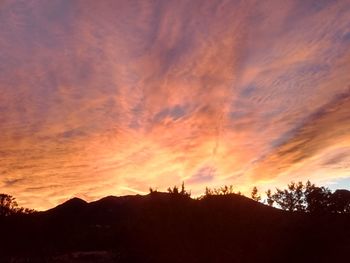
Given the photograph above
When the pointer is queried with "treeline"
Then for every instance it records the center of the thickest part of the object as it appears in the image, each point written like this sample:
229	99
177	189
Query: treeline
309	198
297	196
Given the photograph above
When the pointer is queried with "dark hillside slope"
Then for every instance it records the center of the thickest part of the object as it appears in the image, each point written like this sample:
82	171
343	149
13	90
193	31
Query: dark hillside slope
162	227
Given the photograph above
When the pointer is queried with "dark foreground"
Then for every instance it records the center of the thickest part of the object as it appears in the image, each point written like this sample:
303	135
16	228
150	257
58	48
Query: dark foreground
163	227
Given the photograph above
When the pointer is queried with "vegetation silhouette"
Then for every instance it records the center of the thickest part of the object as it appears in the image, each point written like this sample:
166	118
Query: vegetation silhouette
224	190
310	198
9	206
255	195
177	192
302	223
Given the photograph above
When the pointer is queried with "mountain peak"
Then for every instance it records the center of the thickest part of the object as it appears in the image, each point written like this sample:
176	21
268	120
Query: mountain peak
71	204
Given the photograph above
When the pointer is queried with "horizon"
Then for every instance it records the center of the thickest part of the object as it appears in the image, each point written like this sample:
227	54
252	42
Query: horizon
108	97
213	191
221	226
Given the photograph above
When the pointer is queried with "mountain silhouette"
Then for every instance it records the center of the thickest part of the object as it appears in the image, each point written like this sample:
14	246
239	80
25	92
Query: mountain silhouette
163	227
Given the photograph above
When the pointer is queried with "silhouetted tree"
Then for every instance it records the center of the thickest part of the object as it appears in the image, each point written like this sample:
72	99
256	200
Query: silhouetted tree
340	201
255	195
317	199
9	206
269	198
184	191
291	199
310	198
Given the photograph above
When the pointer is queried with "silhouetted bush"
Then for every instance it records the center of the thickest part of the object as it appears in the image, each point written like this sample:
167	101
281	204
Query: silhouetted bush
153	190
175	190
224	190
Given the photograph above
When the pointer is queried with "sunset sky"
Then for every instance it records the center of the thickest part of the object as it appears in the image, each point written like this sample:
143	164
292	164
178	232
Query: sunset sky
107	97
